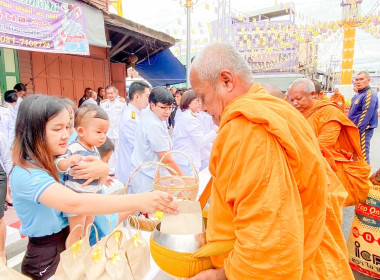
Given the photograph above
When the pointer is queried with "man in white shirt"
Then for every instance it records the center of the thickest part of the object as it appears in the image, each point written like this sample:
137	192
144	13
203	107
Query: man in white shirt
114	107
152	141
9	121
139	99
20	89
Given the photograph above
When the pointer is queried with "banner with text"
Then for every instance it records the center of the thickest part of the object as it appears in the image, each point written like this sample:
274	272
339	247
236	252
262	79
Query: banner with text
44	26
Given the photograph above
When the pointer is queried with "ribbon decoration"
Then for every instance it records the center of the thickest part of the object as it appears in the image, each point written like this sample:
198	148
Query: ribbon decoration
96	257
136	239
116	235
75	248
115	257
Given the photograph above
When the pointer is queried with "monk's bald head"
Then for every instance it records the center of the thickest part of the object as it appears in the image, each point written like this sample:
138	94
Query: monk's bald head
218	75
273	90
301	94
218	57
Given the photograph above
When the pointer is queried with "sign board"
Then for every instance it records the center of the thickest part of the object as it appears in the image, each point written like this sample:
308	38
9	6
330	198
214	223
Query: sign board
43	26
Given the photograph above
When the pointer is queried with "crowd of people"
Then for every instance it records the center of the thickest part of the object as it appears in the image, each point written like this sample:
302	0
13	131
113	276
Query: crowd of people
283	166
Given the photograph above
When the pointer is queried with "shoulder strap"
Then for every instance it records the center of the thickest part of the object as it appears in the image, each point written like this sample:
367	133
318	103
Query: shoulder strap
206	194
214	249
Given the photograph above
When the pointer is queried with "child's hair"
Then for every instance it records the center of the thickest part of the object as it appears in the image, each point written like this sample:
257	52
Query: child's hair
30	149
87	112
107	147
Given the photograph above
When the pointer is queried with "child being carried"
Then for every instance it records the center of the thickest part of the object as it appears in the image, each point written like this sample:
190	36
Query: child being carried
91	123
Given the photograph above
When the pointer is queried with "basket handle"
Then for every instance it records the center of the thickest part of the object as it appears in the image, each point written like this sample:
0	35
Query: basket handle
129	227
157	175
88	231
149	163
74	229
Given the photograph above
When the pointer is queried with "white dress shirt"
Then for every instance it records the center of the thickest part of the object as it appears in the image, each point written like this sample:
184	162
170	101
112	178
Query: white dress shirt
114	110
189	138
129	122
5	154
152	137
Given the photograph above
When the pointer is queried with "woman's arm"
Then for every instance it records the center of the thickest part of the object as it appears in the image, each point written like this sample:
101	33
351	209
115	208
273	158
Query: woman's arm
63	199
170	161
90	171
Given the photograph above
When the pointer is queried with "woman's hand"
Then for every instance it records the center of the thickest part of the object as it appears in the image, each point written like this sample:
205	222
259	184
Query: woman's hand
92	169
157	201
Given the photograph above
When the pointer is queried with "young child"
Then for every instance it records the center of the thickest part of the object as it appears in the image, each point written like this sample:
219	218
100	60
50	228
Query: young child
91	123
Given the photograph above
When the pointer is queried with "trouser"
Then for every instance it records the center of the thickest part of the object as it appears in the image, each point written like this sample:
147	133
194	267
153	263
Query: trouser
43	254
365	139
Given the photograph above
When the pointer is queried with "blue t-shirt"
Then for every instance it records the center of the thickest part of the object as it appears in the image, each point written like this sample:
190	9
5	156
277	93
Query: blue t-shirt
36	219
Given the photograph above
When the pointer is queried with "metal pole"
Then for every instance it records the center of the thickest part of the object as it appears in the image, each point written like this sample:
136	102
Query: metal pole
188	44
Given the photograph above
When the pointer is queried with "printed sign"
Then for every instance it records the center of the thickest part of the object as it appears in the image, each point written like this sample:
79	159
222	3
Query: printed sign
44	26
364	240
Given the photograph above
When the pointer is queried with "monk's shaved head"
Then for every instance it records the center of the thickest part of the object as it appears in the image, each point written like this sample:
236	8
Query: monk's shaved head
308	85
218	57
273	90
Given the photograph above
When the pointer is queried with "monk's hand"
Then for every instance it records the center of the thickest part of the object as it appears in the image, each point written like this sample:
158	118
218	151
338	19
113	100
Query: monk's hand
92	168
211	274
157	201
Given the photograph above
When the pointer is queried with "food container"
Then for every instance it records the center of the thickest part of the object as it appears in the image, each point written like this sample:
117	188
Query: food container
183	187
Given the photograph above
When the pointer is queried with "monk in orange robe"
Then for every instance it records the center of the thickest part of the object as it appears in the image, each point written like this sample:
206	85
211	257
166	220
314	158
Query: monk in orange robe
338	98
338	138
270	189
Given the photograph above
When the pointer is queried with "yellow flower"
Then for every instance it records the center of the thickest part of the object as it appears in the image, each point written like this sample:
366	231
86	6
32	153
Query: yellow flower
115	257
75	248
96	255
136	239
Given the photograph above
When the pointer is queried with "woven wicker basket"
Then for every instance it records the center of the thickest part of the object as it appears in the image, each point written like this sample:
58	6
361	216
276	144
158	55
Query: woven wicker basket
181	187
143	223
186	189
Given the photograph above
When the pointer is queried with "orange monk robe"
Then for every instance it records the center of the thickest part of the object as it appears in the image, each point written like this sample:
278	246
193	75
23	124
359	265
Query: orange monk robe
324	96
340	144
339	100
270	194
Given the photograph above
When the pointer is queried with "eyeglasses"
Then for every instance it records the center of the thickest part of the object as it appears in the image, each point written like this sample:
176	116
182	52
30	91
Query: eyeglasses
166	108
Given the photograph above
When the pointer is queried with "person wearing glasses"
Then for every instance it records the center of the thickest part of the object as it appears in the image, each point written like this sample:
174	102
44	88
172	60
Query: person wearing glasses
152	141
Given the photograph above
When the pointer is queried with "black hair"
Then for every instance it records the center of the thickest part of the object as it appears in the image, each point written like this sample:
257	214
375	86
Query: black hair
10	96
82	115
186	99
106	147
30	146
19	87
137	88
161	94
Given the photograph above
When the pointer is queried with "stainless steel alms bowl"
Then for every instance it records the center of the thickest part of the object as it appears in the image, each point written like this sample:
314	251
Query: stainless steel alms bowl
183	243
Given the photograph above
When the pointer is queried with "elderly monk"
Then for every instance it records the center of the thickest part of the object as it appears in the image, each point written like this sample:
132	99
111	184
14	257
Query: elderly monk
273	90
338	98
338	138
269	184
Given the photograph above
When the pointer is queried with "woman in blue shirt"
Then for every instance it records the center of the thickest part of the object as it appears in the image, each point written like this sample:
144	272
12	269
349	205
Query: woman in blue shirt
38	197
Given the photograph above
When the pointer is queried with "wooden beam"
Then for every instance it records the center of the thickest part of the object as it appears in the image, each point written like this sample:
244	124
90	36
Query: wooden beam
115	48
130	42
